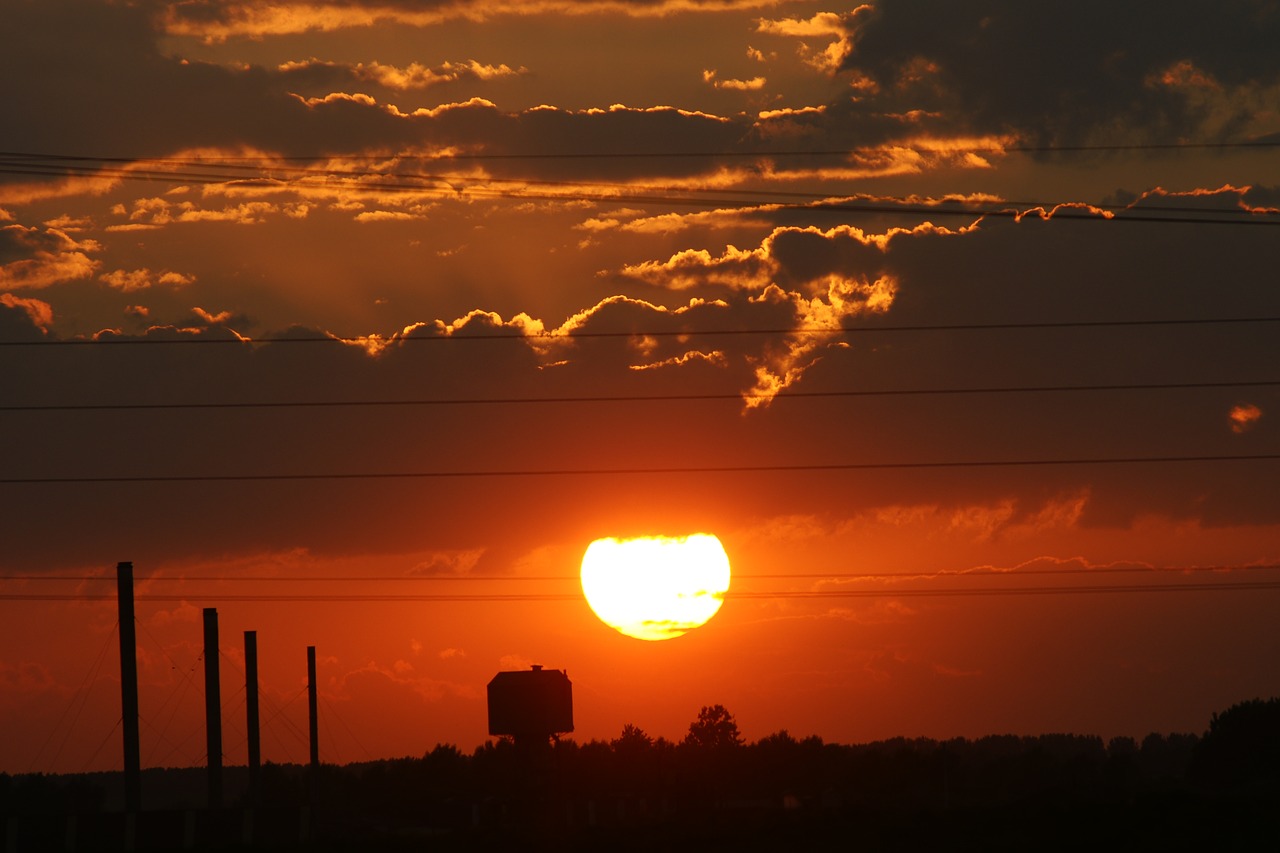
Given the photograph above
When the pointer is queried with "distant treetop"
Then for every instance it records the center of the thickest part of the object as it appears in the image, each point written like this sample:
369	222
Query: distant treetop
715	728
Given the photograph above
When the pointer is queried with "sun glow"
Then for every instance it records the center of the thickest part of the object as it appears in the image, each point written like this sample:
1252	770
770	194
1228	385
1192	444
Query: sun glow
655	587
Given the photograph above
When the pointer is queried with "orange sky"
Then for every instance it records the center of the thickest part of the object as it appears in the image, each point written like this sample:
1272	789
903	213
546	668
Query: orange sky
360	321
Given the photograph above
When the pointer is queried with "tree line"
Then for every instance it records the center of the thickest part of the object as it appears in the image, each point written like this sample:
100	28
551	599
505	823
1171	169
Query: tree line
713	778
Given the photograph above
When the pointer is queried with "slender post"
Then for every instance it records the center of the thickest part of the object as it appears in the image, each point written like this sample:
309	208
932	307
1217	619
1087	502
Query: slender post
251	712
129	688
213	706
311	706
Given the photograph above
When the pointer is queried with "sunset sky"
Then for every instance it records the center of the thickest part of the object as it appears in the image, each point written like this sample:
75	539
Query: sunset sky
957	323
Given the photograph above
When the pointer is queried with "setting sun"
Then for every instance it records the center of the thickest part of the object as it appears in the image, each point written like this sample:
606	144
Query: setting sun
655	587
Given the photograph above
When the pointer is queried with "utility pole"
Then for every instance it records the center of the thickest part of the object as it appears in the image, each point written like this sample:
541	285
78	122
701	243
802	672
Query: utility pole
251	712
311	706
213	707
129	687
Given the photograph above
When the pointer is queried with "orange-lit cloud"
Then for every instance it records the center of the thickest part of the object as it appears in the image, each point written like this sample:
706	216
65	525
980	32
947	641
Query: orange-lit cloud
211	319
827	59
157	212
38	311
411	77
789	112
820	301
128	281
782	367
747	269
670	223
754	269
821	24
755	84
715	357
1225	198
283	18
34	258
1244	417
1185	75
29	192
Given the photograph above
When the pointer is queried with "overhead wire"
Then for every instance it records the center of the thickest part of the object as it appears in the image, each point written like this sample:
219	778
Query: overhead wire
636	471
631	398
448	185
179	170
986	572
1006	585
553	337
490	598
453	154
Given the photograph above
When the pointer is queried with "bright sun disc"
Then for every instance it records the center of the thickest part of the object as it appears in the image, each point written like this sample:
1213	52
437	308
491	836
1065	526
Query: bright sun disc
655	587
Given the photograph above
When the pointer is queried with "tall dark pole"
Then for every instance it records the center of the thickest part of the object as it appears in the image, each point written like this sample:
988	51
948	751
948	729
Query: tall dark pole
311	706
129	688
213	707
251	711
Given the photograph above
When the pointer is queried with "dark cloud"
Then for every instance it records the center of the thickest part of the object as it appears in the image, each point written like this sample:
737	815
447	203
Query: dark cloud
1070	73
20	318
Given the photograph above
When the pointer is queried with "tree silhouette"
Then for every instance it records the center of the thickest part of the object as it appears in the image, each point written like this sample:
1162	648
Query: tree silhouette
1242	747
715	728
632	740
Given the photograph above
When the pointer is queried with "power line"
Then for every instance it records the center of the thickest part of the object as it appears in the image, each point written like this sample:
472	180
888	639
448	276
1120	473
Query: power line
633	398
615	472
625	155
447	186
1028	590
399	181
933	592
1118	214
985	573
554	337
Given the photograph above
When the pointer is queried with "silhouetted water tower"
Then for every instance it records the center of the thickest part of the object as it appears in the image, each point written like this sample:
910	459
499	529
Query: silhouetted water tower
532	706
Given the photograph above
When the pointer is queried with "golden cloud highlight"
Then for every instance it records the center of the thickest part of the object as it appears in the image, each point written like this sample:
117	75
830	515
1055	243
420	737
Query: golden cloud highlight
413	76
37	310
255	20
52	257
1244	418
129	281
